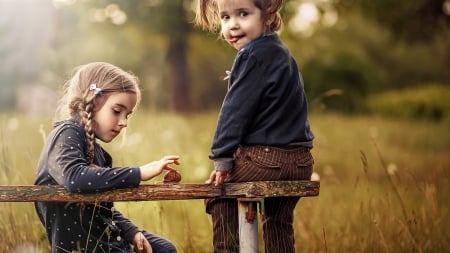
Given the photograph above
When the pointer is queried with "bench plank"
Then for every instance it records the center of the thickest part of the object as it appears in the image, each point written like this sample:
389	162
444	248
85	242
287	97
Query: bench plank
260	189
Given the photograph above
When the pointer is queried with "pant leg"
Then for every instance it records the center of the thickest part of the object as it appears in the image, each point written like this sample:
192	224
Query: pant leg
159	244
277	222
278	231
260	163
224	214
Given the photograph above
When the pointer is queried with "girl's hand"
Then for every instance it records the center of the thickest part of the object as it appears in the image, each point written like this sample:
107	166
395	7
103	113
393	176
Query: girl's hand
153	169
140	243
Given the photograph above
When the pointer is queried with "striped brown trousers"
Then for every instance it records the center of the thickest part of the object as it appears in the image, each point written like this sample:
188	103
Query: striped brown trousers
262	163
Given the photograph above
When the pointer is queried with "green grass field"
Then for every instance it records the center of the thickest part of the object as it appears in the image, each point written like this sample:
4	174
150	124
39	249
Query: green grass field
384	183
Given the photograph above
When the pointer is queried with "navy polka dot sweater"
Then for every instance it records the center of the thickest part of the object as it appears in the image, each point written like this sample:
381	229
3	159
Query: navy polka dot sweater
89	227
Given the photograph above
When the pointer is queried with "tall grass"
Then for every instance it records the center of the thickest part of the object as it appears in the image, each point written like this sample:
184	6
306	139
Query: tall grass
384	183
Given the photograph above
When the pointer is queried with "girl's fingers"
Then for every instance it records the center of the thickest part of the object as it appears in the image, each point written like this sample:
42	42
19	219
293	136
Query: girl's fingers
169	168
167	163
171	157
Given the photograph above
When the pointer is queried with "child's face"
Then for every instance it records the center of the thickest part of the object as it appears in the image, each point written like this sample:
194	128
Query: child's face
241	22
112	115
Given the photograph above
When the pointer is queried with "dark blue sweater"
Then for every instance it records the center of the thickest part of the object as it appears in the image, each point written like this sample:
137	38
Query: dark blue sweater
265	103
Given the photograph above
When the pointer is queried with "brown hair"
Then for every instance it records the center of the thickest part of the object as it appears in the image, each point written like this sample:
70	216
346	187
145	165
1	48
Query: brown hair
207	14
80	100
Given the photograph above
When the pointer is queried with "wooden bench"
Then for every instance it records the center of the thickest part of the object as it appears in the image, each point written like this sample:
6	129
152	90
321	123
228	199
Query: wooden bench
247	194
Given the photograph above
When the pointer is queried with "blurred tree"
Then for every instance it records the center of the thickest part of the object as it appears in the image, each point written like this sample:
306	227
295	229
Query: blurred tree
419	50
177	29
169	19
356	46
418	20
359	54
209	58
148	37
8	74
24	32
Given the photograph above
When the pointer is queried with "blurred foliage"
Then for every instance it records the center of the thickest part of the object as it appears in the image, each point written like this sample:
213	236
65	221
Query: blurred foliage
8	76
207	72
373	46
414	21
359	57
428	102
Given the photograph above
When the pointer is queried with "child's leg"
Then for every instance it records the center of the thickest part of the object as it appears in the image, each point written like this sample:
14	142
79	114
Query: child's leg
160	244
254	164
224	214
278	231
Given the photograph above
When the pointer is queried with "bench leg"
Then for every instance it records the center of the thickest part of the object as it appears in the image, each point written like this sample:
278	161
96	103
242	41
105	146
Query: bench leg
248	226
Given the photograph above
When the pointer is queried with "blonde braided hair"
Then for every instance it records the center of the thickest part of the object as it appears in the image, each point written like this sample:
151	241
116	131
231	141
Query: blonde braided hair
80	100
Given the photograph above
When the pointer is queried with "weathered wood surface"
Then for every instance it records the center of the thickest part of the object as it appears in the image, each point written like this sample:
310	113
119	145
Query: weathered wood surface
259	189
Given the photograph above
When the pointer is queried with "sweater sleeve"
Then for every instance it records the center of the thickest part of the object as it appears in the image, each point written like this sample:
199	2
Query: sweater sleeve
69	167
238	110
127	229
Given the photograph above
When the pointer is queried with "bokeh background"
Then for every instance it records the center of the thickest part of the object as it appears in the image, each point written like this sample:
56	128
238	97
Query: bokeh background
376	75
347	50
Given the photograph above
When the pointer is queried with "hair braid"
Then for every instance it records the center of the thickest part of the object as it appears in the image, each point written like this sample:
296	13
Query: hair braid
86	113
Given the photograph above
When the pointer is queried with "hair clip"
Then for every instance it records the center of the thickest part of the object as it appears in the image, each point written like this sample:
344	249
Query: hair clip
94	88
227	75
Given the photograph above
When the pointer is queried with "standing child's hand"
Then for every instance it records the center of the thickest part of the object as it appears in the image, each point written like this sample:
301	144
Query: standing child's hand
217	177
153	169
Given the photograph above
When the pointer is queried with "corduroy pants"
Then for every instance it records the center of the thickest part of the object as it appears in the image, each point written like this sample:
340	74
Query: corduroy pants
262	163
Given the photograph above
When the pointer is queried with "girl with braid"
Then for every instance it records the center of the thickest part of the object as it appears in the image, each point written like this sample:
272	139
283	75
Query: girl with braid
263	131
98	100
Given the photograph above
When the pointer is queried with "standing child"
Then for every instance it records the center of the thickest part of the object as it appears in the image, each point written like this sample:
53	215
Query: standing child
263	131
99	99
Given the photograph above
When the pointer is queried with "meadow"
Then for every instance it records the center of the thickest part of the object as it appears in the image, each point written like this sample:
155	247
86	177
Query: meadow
384	182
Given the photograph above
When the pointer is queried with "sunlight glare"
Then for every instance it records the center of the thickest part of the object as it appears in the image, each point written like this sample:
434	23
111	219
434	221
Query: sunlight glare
446	7
309	12
329	18
112	12
61	3
97	15
13	124
307	15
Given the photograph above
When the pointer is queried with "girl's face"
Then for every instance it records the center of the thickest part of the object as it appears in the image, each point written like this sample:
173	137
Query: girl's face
112	115
241	22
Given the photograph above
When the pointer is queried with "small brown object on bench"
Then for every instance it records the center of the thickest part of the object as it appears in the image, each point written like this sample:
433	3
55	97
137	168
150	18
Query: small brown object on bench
172	176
